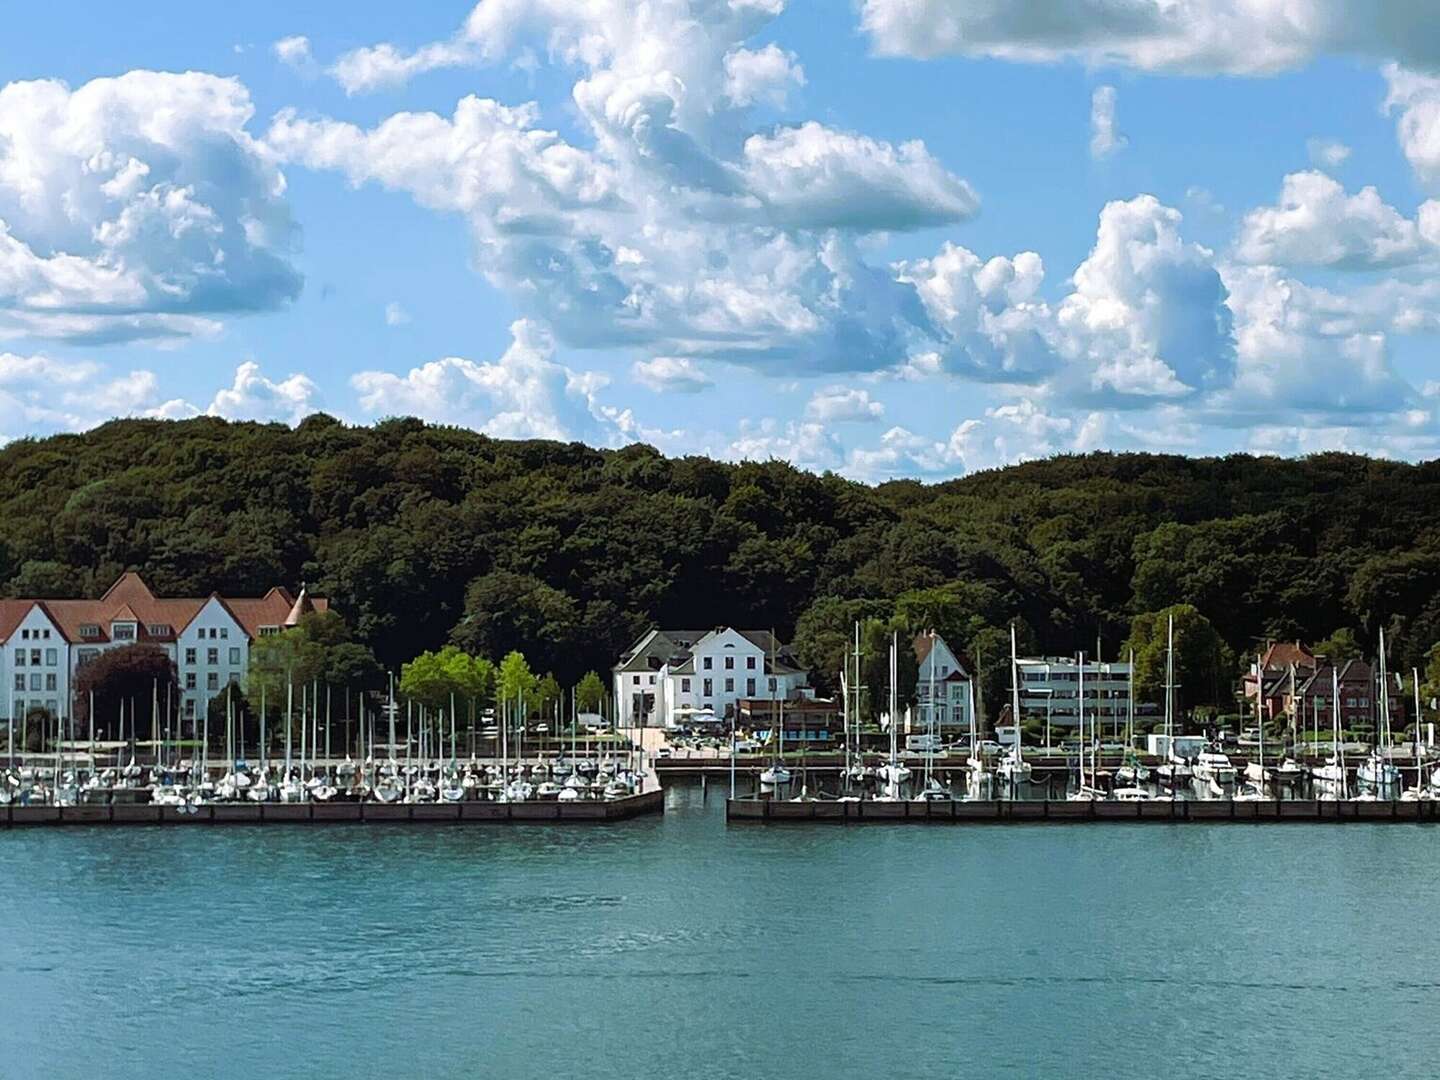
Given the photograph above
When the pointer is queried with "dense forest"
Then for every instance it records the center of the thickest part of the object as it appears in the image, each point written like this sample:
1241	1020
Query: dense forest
425	535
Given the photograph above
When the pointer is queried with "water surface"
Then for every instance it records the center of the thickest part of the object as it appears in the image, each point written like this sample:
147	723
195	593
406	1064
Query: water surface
681	947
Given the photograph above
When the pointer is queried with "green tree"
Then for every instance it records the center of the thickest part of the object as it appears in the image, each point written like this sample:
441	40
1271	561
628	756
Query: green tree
1203	662
514	678
876	636
590	694
134	677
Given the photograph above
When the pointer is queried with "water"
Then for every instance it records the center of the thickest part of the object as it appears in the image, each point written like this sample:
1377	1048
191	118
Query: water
678	947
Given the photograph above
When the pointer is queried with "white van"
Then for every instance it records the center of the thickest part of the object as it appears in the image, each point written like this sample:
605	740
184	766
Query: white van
923	743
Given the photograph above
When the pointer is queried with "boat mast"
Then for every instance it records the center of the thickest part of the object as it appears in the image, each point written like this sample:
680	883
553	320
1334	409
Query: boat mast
1419	768
1260	717
1080	698
1339	754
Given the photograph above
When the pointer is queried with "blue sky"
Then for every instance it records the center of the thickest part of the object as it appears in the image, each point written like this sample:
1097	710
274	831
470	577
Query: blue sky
899	237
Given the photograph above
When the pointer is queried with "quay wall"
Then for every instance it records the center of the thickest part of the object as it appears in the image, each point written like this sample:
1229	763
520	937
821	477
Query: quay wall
1000	811
463	813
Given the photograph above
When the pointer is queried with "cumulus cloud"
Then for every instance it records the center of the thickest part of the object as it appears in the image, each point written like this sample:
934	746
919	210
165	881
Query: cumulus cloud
526	394
1415	100
252	396
41	395
1148	316
1327	153
838	404
767	75
1105	137
1317	224
1235	37
673	374
137	206
806	444
295	52
678	227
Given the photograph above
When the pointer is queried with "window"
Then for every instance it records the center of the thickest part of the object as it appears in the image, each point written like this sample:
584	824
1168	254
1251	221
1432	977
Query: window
234	655
652	680
684	686
34	657
19	657
52	706
224	632
51	657
729	686
156	629
708	689
89	630
20	682
24	635
750	662
35	681
709	662
45	634
729	663
189	656
212	681
269	631
86	656
214	633
212	656
122	631
772	686
190	708
635	679
190	680
749	687
50	683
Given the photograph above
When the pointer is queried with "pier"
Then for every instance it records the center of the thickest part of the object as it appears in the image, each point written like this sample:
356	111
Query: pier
1018	811
474	812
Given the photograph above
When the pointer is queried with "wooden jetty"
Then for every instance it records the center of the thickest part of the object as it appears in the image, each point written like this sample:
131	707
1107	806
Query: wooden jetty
1002	811
440	813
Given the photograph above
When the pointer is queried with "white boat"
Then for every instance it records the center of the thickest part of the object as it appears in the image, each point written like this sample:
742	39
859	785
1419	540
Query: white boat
775	774
934	791
1131	794
1012	768
1132	774
1249	792
617	789
1085	793
569	794
549	790
1212	765
1377	772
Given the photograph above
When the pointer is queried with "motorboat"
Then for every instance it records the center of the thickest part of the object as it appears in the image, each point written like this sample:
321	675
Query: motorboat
1131	794
1012	767
1085	793
548	789
1249	792
934	791
1214	766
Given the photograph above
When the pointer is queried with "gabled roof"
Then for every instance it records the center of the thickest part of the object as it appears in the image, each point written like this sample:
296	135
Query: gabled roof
925	642
130	600
1281	654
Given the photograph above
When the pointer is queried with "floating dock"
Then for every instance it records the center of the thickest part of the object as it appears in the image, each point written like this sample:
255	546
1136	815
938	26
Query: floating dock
1002	811
460	813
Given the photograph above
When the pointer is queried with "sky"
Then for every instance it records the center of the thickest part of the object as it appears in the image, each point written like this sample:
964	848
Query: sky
889	238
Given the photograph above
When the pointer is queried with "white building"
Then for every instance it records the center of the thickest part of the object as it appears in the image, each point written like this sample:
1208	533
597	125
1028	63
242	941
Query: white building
949	675
44	643
1050	687
674	677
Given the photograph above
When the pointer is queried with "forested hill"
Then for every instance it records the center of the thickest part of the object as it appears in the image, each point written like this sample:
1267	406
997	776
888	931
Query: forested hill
425	534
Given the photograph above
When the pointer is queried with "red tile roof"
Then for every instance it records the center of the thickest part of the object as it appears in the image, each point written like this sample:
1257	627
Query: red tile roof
130	599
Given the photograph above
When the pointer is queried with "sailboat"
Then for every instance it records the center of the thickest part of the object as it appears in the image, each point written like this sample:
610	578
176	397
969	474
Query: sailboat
1376	772
893	773
777	773
1255	770
1012	767
1174	770
1132	773
1084	792
1330	777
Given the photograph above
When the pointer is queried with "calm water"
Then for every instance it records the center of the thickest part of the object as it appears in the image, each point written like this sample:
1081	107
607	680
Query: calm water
683	948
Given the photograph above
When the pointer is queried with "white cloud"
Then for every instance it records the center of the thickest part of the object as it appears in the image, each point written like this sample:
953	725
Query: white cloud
1317	224
1105	138
1238	37
676	227
1327	153
1416	98
395	315
252	396
382	67
42	395
838	404
673	374
137	206
806	444
761	75
1148	316
526	394
295	52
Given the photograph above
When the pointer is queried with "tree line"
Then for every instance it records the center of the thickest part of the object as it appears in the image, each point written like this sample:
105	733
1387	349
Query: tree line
426	537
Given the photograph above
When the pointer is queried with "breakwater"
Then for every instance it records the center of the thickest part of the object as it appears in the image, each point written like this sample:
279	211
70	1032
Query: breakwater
1000	811
651	801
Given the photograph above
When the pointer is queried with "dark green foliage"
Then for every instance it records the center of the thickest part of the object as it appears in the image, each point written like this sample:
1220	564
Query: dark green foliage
422	535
